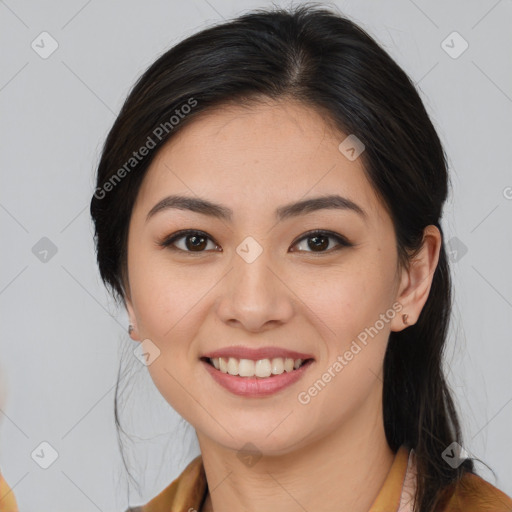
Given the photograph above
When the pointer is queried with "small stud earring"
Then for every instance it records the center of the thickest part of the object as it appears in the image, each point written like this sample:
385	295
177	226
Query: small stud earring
130	329
404	318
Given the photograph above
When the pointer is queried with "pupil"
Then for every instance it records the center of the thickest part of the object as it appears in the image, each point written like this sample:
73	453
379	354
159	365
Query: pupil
196	241
319	245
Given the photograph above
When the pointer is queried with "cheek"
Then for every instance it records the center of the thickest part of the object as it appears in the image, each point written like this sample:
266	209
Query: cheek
348	303
176	385
348	298
164	295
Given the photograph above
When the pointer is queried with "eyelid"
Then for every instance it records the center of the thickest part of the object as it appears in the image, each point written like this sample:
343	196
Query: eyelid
167	242
342	240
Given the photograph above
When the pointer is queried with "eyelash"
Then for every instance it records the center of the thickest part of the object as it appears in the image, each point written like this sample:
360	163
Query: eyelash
169	241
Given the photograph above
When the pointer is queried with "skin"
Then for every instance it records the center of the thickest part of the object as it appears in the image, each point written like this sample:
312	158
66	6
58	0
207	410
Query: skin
254	160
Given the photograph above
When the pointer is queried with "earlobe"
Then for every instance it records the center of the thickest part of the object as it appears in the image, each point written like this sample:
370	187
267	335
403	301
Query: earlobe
132	327
417	279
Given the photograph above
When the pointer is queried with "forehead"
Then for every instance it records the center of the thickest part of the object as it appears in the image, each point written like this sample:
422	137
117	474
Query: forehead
256	157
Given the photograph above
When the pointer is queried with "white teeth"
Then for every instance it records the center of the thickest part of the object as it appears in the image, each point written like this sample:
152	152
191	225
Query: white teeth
262	368
246	368
233	366
223	365
277	366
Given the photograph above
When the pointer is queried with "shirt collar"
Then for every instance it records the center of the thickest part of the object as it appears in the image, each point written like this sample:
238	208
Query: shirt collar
190	488
397	491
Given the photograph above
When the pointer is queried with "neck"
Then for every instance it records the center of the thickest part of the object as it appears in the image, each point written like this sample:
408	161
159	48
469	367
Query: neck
342	471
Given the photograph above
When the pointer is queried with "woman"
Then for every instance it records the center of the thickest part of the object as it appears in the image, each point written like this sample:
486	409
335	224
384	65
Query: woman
268	209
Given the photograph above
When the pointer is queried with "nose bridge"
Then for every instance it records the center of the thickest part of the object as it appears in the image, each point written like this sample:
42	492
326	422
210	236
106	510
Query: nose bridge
254	293
253	274
253	280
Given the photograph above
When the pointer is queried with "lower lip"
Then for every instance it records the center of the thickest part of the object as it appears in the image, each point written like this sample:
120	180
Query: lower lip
256	386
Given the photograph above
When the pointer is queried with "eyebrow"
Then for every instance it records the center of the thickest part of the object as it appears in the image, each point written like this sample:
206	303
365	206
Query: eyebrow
219	211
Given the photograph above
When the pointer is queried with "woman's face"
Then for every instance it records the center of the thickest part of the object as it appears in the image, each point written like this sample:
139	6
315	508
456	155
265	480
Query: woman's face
258	280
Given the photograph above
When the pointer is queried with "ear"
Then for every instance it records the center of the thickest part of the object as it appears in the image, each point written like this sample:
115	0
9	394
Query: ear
416	281
134	334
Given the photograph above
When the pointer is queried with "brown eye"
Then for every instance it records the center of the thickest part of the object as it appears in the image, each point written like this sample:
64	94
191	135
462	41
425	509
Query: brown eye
319	241
195	242
188	241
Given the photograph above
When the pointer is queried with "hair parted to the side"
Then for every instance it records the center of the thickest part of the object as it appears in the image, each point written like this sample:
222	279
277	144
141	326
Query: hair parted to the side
318	57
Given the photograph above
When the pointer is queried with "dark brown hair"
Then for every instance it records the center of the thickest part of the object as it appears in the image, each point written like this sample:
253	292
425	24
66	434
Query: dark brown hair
322	59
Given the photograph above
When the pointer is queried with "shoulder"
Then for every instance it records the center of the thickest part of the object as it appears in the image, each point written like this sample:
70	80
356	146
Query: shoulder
163	500
7	499
185	492
474	494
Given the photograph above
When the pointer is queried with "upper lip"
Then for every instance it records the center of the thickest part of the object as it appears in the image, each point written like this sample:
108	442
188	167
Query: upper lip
255	354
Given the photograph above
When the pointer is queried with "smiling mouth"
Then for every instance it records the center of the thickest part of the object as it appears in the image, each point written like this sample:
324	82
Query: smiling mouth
262	368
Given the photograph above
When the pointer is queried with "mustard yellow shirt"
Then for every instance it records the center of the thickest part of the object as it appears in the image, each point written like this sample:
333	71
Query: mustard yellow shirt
7	500
473	494
189	490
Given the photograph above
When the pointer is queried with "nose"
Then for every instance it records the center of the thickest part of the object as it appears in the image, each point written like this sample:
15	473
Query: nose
254	296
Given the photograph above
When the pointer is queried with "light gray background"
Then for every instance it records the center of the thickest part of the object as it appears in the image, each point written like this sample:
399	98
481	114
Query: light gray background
61	332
